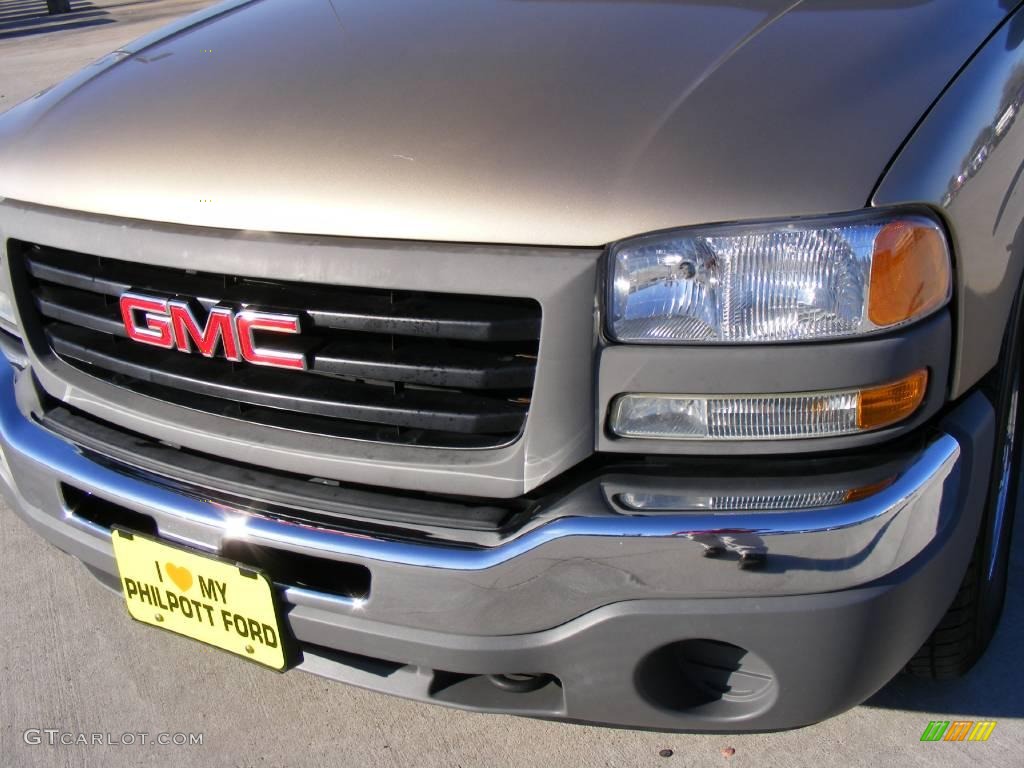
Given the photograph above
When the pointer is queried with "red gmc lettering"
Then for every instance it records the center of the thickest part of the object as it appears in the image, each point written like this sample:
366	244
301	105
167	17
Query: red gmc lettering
219	327
157	327
171	324
248	321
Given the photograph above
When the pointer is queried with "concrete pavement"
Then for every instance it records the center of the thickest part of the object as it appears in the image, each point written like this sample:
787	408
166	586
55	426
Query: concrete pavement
37	51
72	660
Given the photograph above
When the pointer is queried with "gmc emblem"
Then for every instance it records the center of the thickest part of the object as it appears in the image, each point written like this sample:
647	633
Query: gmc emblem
170	324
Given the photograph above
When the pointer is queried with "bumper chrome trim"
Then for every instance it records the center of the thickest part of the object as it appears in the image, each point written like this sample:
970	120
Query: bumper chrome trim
548	574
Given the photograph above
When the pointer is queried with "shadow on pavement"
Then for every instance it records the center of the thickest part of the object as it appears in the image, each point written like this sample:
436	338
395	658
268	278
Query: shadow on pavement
21	18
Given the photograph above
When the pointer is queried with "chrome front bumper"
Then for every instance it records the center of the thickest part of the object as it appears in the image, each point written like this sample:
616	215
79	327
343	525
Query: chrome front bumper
584	552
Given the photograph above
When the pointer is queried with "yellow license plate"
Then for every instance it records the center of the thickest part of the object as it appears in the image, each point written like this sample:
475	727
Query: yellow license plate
202	597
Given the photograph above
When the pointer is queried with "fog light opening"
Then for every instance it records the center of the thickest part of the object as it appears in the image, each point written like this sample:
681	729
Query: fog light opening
716	677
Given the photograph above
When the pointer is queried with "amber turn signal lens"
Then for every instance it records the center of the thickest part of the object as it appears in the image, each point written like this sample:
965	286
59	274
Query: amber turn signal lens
909	273
881	406
867	491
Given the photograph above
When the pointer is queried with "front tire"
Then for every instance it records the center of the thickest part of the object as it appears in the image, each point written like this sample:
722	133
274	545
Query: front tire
966	630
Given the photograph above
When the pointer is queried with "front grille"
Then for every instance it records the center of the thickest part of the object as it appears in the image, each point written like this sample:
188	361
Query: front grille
406	367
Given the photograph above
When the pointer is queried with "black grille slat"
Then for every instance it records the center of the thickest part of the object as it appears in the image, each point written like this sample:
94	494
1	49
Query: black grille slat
78	308
416	320
393	366
433	366
56	275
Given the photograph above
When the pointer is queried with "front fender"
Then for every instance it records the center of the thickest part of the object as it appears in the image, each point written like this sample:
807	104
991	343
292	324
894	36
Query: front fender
966	158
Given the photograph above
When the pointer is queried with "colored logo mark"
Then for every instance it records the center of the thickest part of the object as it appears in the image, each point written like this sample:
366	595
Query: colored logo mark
958	730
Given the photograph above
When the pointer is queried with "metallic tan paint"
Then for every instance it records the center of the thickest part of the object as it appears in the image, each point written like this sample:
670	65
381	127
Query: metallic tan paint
571	122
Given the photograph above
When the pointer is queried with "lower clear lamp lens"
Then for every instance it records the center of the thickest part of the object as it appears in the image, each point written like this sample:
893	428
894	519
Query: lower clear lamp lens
737	502
767	417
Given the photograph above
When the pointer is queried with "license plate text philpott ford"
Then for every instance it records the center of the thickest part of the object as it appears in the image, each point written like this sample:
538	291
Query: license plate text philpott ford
201	597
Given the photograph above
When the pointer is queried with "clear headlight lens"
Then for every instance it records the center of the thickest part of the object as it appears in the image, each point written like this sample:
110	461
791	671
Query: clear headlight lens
789	281
770	416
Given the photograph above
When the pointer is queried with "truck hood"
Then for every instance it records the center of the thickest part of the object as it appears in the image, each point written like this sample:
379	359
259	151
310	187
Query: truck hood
568	122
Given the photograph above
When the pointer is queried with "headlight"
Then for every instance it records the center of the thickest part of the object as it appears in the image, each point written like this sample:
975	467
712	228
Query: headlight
787	281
